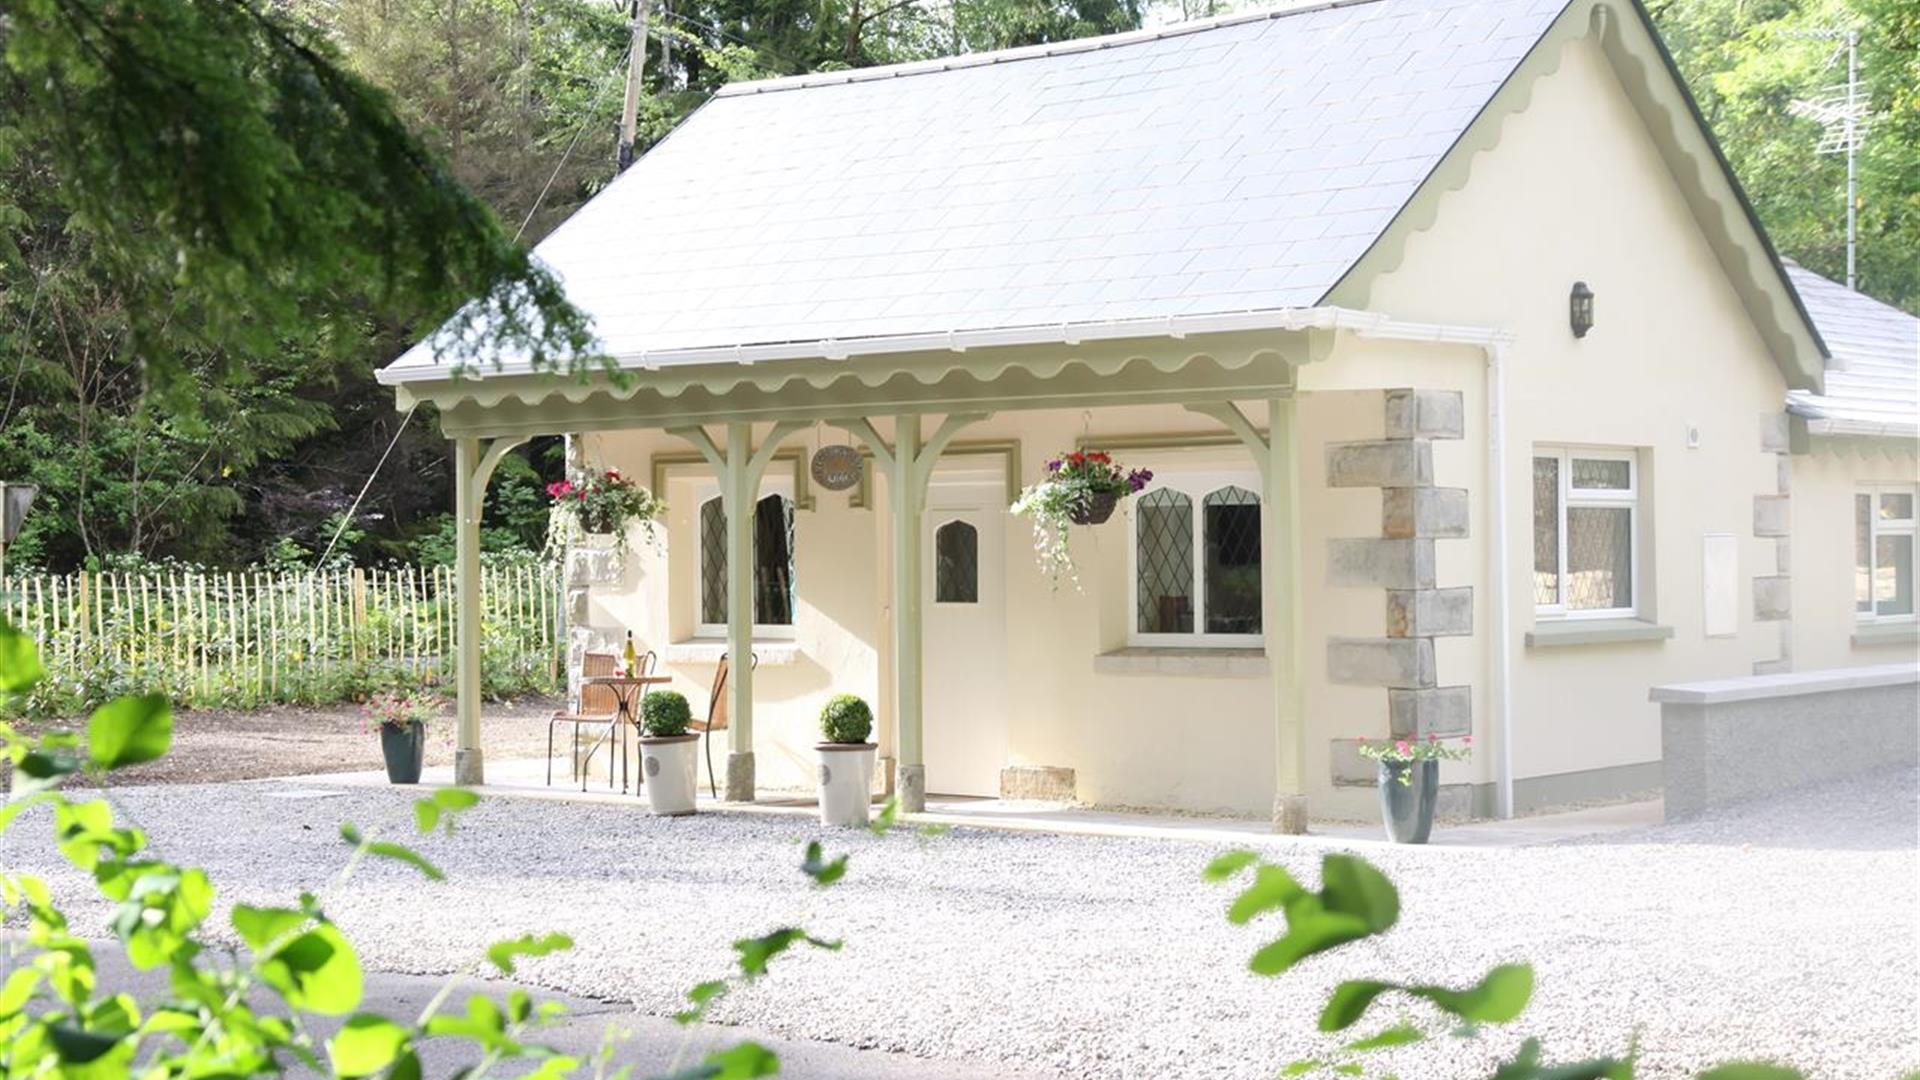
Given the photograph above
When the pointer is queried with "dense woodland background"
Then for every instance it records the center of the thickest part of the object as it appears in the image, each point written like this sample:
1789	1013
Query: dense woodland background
252	446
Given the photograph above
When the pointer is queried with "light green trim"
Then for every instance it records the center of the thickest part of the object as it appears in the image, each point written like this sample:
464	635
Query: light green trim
862	496
1875	634
1704	181
1558	633
1208	367
1197	440
473	466
664	461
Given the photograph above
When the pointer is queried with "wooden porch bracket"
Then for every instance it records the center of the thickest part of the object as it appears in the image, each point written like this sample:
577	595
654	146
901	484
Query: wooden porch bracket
473	467
739	468
909	465
1281	612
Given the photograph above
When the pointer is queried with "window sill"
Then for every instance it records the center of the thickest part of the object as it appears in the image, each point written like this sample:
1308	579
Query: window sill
1887	633
1159	660
704	651
1559	633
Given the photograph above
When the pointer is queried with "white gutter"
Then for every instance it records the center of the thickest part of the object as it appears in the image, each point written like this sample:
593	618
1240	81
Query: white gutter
1494	343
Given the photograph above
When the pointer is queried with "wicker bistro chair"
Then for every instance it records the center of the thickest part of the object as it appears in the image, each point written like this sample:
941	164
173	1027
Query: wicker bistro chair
717	715
598	707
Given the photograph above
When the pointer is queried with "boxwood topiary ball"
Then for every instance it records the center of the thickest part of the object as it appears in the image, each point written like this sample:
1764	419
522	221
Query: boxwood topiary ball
665	712
846	719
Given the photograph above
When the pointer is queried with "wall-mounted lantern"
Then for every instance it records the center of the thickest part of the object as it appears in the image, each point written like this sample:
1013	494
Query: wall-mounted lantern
1580	309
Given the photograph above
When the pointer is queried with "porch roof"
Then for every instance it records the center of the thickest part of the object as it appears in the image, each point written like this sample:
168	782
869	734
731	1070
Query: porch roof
1873	383
1237	165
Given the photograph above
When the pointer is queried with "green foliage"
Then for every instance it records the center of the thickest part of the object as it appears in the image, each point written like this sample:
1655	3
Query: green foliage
244	1012
1355	902
846	719
822	872
665	713
1748	62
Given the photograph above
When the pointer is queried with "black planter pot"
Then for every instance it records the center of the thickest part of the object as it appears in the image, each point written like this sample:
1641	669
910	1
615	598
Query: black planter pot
1095	510
405	748
1407	809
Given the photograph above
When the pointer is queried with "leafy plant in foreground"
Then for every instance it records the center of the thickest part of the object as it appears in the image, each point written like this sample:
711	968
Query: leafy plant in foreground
248	1012
1355	901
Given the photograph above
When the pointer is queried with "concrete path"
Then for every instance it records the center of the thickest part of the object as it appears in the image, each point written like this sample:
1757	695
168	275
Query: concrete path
652	1045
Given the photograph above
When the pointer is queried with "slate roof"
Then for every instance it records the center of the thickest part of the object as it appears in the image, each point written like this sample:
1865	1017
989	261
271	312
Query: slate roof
1873	381
1239	164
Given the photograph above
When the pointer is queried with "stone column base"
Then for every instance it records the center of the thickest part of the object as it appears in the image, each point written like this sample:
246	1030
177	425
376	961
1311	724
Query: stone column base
910	783
1290	815
469	768
740	776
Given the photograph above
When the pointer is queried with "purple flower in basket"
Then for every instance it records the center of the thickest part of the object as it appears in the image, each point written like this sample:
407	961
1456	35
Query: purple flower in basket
1053	466
1138	479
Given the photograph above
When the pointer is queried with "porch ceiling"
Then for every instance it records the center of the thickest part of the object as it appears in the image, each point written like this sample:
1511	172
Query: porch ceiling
1202	366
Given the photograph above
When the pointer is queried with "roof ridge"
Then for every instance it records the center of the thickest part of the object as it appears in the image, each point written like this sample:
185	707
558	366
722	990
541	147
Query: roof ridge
1027	52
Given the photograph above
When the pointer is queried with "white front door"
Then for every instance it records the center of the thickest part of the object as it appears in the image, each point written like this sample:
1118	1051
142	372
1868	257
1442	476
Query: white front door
964	635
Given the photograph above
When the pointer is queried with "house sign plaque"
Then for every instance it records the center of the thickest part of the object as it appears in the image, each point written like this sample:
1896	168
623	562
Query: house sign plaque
836	468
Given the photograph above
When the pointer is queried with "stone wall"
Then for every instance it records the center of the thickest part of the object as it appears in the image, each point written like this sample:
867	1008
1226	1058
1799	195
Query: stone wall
1415	514
1730	740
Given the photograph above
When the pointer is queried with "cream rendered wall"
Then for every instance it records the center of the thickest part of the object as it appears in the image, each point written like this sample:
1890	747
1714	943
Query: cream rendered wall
1824	482
1575	191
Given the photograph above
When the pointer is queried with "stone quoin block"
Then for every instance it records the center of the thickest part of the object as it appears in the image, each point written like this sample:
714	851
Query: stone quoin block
1430	612
1772	597
1770	515
1396	663
1426	414
1445	711
1776	433
1424	511
1388	463
1044	783
1348	767
1380	563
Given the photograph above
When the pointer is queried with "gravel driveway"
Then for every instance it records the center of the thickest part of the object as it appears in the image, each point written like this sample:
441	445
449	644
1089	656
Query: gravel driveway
1784	931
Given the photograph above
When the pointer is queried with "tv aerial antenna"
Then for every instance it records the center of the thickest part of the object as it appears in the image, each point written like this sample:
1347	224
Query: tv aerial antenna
1841	112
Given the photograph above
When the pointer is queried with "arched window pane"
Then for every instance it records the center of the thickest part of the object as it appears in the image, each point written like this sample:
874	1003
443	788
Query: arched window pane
1163	535
956	564
1230	530
772	556
773	562
713	562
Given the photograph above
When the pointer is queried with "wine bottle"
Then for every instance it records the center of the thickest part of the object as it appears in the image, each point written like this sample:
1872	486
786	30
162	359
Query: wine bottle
627	657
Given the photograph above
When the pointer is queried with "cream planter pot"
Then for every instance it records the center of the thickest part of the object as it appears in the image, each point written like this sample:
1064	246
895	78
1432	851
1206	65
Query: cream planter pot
667	771
846	772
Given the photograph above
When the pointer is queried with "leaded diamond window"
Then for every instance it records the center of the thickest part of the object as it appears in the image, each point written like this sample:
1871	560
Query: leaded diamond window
1163	567
772	558
1196	562
956	564
1231	538
1585	522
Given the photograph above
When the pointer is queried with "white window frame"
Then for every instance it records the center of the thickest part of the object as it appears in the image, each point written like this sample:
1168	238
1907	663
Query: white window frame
1603	498
702	495
1875	530
1196	486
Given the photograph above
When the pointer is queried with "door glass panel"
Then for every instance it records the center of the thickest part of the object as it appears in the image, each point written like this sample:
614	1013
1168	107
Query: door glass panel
1546	531
1163	535
1595	474
1893	575
773	562
1599	558
1863	553
956	564
1230	529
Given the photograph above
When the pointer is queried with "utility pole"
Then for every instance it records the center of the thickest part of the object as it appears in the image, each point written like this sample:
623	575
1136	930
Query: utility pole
1853	145
636	63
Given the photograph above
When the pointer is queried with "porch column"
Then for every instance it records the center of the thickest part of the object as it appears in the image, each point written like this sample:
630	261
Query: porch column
472	467
739	468
909	467
1282	616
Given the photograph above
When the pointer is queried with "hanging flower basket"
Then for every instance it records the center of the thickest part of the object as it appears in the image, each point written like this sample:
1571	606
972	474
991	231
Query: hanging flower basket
1080	488
604	502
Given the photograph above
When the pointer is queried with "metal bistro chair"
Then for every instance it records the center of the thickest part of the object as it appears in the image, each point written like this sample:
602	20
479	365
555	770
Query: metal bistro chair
717	714
599	707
